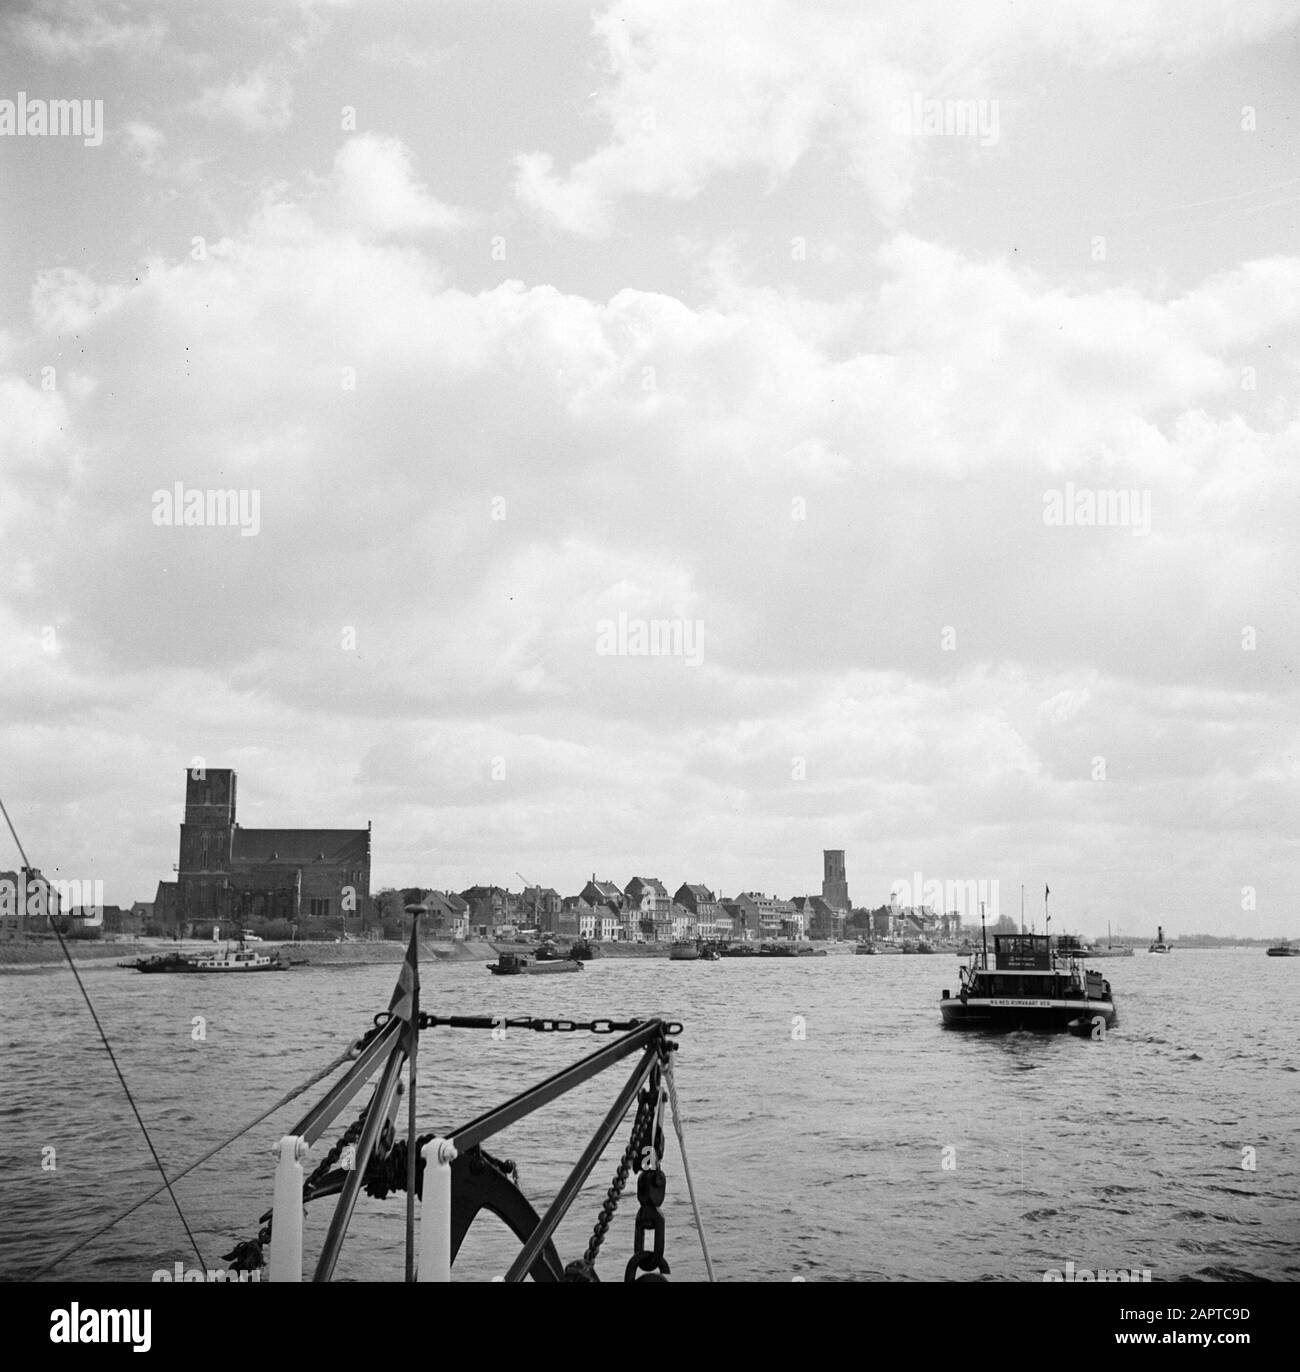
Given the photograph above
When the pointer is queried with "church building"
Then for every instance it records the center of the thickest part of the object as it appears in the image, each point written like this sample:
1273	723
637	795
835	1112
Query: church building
235	875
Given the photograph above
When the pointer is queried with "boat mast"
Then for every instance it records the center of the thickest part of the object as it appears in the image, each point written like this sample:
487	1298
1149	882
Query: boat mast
984	935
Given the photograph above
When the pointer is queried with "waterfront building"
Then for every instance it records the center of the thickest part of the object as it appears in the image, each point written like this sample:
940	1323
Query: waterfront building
602	893
231	875
705	909
766	917
27	903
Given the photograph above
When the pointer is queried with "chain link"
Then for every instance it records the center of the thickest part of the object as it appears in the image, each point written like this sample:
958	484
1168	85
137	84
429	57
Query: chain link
640	1129
539	1026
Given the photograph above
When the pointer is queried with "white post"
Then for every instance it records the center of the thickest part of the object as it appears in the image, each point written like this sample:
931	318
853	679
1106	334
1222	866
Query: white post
435	1212
286	1217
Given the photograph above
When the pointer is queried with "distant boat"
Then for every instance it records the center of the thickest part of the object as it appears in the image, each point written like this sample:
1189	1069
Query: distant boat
1110	950
520	964
684	950
1160	946
1283	950
1073	944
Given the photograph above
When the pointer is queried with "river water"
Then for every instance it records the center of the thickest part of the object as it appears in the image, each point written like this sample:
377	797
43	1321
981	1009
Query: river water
877	1146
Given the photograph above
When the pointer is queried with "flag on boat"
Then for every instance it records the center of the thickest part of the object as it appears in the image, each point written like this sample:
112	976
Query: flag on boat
405	1004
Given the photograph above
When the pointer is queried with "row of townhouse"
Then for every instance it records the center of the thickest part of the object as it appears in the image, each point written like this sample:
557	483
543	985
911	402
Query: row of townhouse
643	911
640	912
894	921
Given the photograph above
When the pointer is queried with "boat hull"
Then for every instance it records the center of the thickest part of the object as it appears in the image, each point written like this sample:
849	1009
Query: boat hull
1284	952
1055	1015
185	967
534	969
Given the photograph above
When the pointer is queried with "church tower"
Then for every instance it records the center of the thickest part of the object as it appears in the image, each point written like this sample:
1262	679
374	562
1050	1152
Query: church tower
206	836
835	886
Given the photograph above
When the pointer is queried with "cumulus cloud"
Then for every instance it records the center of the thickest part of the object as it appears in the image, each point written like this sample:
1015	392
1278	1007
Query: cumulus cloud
375	189
697	90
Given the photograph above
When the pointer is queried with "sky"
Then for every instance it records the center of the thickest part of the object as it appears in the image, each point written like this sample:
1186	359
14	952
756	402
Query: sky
666	439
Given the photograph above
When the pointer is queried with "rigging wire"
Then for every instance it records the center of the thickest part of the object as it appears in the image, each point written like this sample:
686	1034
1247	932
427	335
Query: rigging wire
198	1162
686	1167
112	1057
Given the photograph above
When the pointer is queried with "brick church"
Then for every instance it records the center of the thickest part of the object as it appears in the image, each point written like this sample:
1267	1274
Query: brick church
235	875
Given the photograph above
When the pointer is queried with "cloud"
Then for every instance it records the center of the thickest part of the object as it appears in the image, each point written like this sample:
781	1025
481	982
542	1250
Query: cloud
61	33
471	478
66	301
144	144
700	90
259	101
375	189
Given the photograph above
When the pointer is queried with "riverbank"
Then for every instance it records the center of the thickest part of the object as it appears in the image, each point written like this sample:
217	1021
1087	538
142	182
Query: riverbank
42	955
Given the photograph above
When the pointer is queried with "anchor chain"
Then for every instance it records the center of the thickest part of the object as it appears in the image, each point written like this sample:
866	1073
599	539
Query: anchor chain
651	1187
583	1269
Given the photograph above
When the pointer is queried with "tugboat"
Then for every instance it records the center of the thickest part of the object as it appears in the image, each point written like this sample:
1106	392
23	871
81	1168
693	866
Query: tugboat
240	960
520	964
684	950
1030	986
1284	950
1160	946
583	950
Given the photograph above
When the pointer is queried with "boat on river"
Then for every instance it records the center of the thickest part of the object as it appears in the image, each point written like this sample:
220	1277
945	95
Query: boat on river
1072	943
1160	946
520	964
238	960
1284	950
684	950
1030	985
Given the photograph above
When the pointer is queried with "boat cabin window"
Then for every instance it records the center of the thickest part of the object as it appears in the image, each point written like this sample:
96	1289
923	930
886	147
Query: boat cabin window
1022	952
